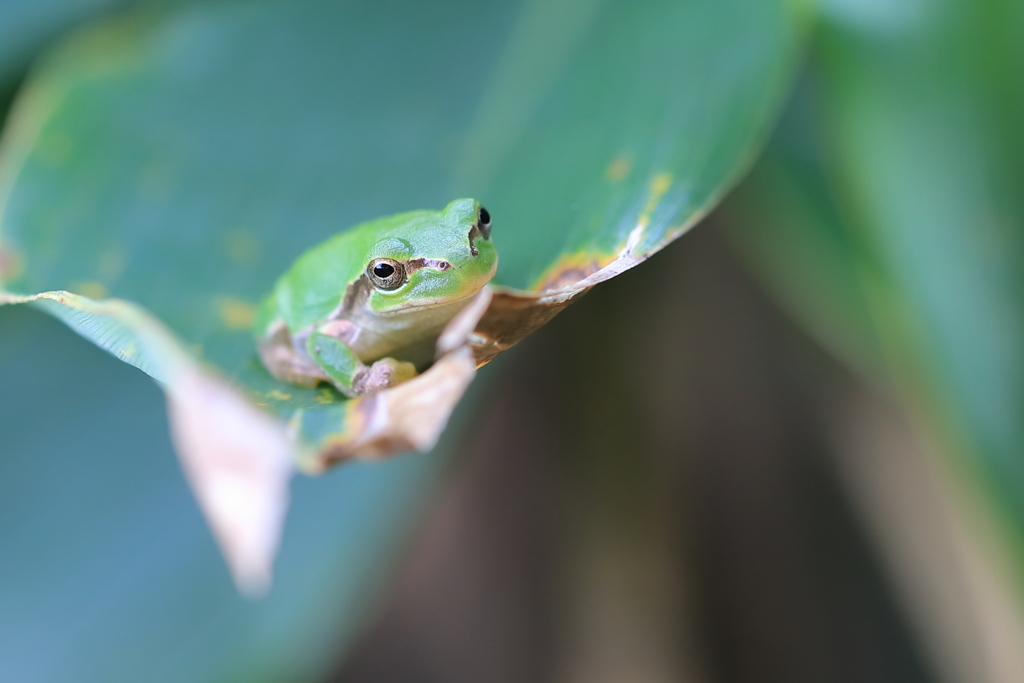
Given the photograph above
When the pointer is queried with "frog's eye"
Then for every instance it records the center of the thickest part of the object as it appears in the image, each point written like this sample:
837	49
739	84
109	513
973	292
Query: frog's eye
386	273
484	223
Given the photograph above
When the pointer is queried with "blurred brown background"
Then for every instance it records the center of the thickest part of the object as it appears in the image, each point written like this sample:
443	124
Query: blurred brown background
690	526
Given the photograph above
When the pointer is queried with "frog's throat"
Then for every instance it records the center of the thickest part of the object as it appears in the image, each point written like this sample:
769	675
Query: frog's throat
428	304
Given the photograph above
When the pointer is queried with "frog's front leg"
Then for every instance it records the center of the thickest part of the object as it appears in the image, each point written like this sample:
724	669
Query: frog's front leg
350	375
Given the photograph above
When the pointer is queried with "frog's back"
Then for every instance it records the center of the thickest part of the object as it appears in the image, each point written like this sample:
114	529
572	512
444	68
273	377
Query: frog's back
316	283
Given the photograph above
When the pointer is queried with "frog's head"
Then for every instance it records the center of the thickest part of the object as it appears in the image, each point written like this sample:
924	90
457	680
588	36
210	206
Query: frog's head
431	258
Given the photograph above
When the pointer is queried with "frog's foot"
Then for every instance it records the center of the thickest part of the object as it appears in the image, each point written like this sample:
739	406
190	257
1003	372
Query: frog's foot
338	362
345	371
387	372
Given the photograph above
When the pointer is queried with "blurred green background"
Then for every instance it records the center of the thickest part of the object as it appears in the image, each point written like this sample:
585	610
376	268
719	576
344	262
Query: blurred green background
788	447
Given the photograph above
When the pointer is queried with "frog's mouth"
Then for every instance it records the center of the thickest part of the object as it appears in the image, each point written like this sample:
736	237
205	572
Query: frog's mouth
434	303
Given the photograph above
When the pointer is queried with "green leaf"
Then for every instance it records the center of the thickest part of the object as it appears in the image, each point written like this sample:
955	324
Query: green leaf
27	26
182	160
899	234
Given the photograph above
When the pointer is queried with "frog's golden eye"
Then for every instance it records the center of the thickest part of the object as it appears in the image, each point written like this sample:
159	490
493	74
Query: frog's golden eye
386	273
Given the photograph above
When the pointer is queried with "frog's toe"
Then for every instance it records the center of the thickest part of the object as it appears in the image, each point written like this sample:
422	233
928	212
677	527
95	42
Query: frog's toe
387	372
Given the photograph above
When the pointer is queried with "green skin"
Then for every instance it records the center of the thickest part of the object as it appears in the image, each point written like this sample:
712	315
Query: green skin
363	310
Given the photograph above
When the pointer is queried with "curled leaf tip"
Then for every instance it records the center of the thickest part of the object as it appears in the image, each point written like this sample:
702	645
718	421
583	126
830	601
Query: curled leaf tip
413	414
410	416
238	461
236	457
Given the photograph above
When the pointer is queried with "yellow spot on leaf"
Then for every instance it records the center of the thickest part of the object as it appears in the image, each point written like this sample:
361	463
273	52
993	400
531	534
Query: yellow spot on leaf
278	395
325	396
618	169
91	289
659	186
570	269
235	313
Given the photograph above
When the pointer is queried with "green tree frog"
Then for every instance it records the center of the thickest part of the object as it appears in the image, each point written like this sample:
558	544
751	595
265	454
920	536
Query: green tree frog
363	310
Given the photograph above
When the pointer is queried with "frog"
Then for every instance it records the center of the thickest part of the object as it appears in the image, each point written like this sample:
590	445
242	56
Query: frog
363	310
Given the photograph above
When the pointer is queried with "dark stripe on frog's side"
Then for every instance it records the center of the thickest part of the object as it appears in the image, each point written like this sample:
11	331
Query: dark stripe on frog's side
412	265
356	295
475	233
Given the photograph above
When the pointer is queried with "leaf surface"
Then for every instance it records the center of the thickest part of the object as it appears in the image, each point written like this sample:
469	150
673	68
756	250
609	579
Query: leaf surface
181	160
